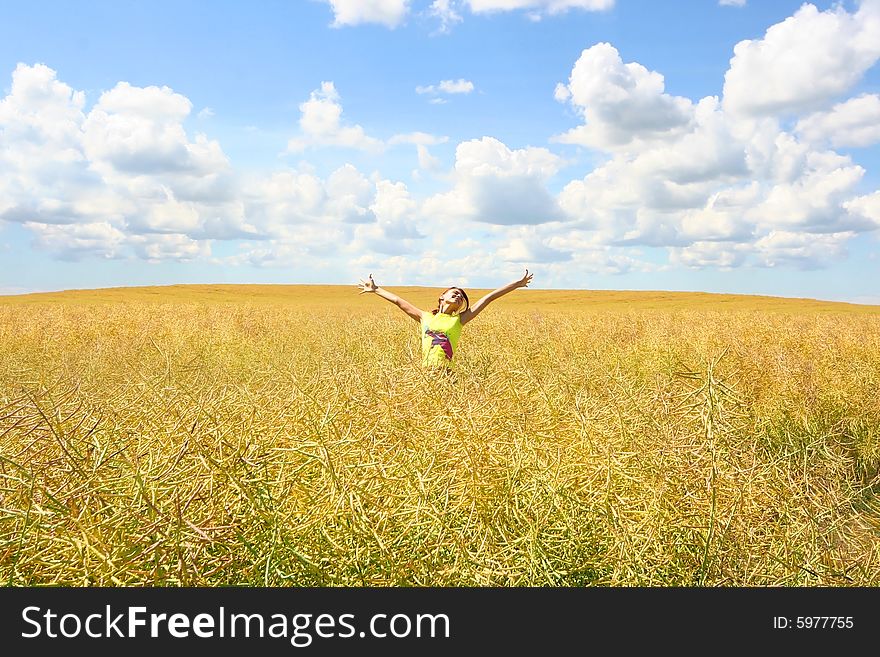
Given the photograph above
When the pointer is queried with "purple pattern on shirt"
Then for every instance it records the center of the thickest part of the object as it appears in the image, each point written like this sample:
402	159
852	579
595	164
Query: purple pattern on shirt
440	338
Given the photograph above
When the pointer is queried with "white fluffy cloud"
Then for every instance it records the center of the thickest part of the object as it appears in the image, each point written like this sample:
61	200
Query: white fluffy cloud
721	183
140	131
110	180
460	86
40	112
538	6
349	195
865	208
530	248
307	219
421	140
156	248
396	231
497	185
659	192
393	13
390	13
620	103
803	250
76	241
285	201
124	179
709	186
855	122
395	210
803	62
753	178
700	255
813	200
321	124
44	174
776	248
444	11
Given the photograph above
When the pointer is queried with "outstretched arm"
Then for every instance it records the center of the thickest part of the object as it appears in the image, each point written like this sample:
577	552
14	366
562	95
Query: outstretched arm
370	286
480	305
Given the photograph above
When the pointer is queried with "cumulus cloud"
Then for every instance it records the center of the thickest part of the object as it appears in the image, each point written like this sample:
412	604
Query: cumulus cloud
711	186
124	179
716	255
803	62
620	103
395	210
126	167
569	254
719	182
529	251
281	204
776	248
52	182
321	124
389	13
139	131
74	242
303	217
418	138
178	247
349	195
307	252
490	157
421	140
814	200
723	216
427	162
538	7
396	230
865	208
44	174
40	111
752	178
460	86
393	13
445	12
803	250
855	122
647	195
497	185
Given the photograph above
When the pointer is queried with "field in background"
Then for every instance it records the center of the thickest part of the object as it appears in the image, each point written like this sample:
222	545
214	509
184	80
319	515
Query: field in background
286	435
348	297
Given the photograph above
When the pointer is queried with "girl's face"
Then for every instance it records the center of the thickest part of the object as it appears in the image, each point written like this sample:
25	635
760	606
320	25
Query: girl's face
454	300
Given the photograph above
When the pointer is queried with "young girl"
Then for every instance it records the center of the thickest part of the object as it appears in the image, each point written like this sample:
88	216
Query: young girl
441	327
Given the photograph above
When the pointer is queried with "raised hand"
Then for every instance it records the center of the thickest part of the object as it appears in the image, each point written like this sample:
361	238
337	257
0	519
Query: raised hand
367	286
525	280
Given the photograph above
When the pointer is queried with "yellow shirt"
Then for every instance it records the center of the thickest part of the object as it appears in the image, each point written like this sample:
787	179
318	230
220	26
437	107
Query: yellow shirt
440	335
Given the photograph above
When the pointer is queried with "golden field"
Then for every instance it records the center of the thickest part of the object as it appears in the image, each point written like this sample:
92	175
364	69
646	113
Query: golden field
287	436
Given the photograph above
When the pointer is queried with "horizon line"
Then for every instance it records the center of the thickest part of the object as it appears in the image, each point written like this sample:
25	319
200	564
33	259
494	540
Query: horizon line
13	292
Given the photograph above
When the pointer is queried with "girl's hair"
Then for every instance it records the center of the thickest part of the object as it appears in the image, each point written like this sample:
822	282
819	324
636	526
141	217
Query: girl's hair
467	302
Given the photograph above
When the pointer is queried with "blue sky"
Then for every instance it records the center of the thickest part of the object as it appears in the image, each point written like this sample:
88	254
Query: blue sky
602	144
